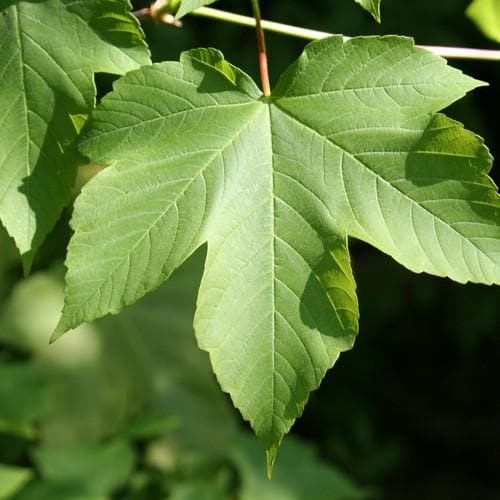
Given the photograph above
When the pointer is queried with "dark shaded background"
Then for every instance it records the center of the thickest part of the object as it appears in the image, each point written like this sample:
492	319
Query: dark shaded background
415	406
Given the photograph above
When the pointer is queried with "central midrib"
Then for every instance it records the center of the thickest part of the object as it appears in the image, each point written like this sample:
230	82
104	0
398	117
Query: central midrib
16	9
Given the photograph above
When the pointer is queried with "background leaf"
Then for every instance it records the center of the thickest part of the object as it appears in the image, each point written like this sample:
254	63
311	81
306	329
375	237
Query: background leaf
49	51
372	6
42	490
486	16
29	398
12	479
187	6
100	468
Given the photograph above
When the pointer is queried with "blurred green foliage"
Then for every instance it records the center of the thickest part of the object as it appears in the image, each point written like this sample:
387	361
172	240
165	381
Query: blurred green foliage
486	15
127	408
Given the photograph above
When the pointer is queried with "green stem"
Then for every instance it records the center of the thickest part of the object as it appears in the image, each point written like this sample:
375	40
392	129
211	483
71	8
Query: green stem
285	29
261	44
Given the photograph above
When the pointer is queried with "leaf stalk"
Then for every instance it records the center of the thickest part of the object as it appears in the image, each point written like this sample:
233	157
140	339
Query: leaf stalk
261	44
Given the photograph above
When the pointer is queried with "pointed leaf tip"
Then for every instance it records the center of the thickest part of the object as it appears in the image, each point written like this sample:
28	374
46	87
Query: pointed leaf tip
373	7
27	260
270	459
59	331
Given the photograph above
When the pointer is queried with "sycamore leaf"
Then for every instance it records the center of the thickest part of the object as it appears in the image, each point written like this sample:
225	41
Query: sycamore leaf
49	51
188	6
486	15
348	144
372	6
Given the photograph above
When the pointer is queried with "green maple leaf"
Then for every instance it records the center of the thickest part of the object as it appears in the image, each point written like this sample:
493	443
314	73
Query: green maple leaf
486	16
372	6
348	144
49	51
